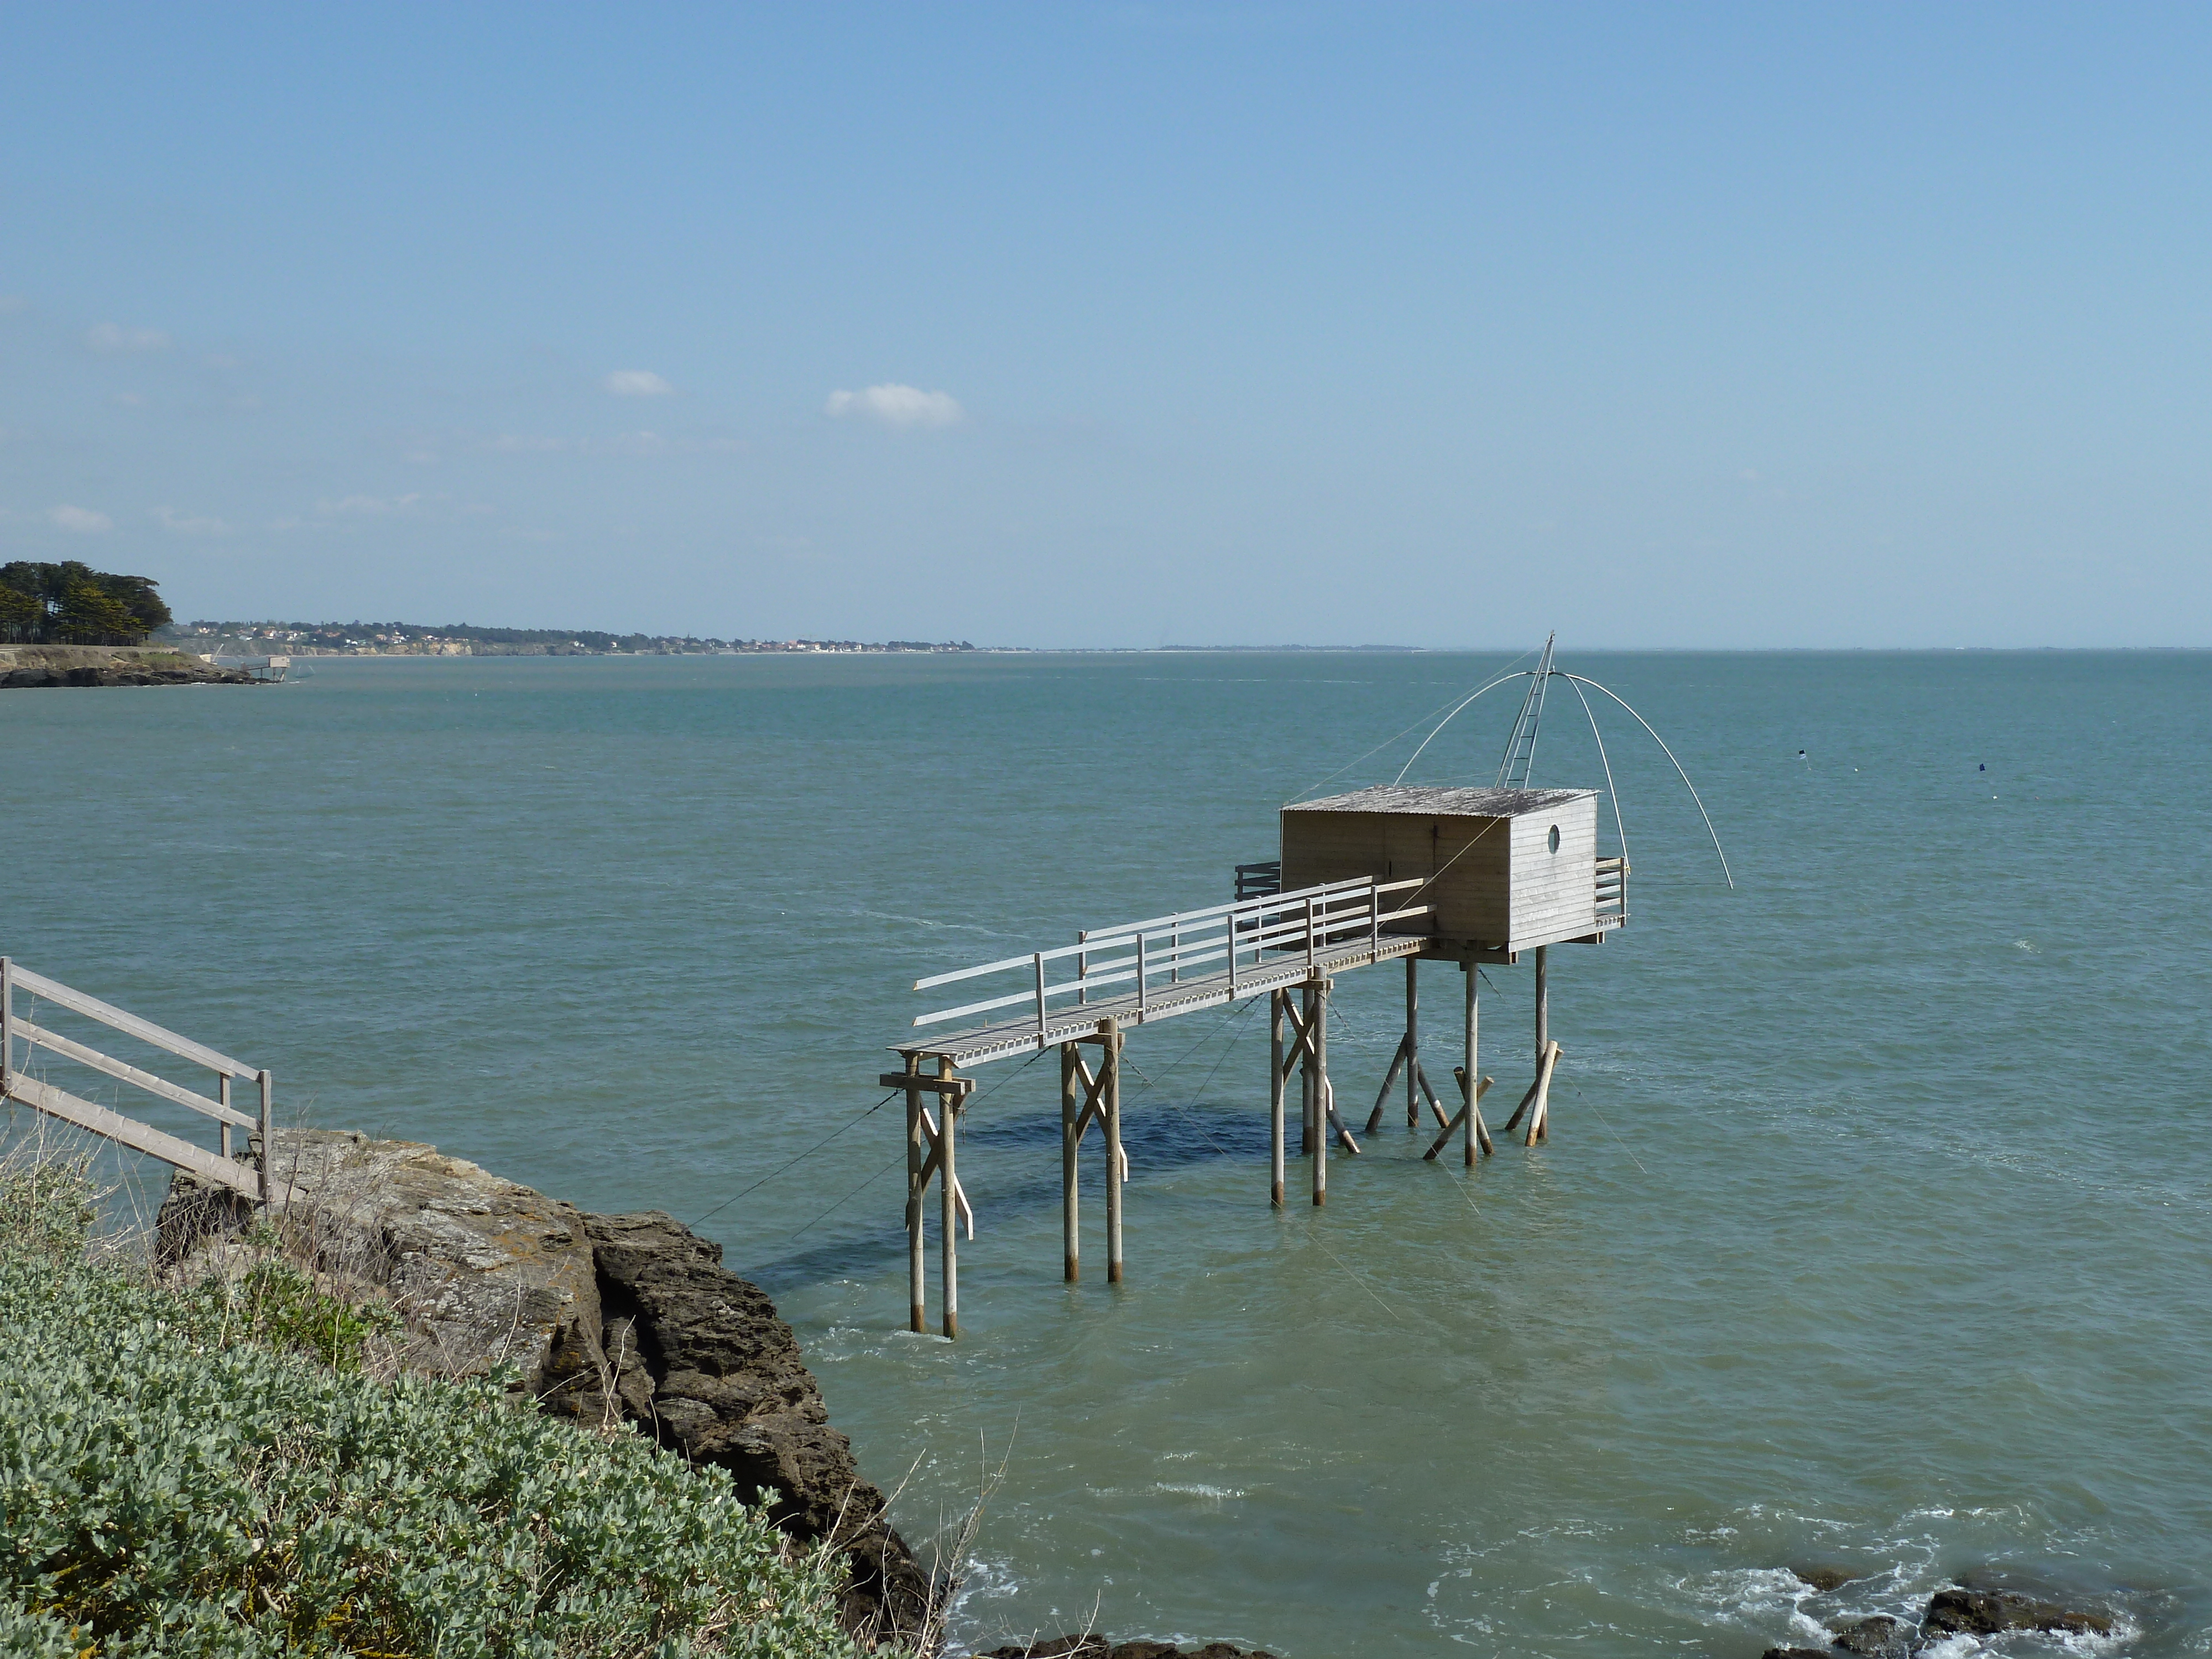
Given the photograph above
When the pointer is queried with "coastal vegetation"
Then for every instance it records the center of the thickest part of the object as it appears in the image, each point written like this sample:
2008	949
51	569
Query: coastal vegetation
232	1467
72	604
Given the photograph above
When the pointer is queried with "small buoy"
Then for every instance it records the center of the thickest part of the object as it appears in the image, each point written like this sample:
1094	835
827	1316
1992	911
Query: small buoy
1984	766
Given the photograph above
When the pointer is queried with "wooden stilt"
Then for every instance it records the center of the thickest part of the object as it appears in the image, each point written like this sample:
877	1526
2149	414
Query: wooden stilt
1328	1103
1318	1085
1307	1093
948	1181
1276	1000
1459	1118
917	1284
1070	1137
1473	980
1429	1092
1382	1095
1538	1094
1408	1060
1111	1063
1539	1118
1543	1000
1412	1041
1482	1129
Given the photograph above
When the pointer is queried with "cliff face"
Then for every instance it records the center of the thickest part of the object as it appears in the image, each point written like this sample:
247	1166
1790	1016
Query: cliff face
607	1318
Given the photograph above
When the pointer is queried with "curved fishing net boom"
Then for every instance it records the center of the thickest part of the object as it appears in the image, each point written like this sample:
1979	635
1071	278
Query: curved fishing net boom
1578	681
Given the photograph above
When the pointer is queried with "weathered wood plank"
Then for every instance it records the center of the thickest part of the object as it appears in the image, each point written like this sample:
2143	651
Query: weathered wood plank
125	1072
129	1132
144	1030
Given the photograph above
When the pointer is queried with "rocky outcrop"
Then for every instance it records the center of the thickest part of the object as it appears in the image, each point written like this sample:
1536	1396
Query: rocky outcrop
1966	1611
134	673
605	1320
705	1363
1879	1637
1992	1611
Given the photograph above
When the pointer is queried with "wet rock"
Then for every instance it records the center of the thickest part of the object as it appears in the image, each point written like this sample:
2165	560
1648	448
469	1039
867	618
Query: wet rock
1097	1647
1824	1578
719	1378
1991	1612
1879	1637
1797	1653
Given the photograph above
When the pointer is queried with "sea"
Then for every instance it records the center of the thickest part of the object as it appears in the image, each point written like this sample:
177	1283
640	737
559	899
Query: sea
1874	1232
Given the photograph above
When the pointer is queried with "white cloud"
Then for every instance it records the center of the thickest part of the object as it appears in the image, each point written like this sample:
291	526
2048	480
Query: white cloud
184	524
637	382
108	336
897	405
79	520
368	507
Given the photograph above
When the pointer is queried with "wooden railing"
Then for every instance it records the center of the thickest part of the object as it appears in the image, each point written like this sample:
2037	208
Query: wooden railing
1139	961
1612	892
16	1083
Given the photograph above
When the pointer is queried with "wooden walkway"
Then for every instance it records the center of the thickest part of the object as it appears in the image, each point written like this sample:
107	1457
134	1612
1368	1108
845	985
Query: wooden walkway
1083	998
1167	966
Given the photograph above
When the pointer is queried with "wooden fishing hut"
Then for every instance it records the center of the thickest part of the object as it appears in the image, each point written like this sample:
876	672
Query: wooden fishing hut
1398	873
1460	875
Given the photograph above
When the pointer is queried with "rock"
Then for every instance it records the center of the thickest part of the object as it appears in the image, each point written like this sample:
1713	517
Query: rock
1989	1612
485	1271
719	1379
123	673
1879	1637
1796	1653
1824	1578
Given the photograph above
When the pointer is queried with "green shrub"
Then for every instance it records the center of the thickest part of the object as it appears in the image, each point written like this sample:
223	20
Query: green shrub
207	1472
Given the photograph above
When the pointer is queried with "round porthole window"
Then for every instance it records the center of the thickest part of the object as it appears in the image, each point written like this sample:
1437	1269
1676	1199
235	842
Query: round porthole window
1554	838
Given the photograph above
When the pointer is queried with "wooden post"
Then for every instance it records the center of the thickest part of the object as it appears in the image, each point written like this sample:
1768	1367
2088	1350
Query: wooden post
268	1152
1473	1106
1412	1042
1070	1111
1317	1088
1543	1003
917	1281
1305	1073
1276	999
7	1024
948	1111
1110	1058
222	1098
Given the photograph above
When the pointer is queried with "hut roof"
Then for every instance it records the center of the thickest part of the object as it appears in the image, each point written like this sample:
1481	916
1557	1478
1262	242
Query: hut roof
1434	801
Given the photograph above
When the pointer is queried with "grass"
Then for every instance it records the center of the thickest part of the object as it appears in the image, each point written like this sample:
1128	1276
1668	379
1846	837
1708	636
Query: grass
220	1469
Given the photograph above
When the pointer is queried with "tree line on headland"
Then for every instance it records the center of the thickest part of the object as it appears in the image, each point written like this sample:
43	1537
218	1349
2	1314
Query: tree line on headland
72	604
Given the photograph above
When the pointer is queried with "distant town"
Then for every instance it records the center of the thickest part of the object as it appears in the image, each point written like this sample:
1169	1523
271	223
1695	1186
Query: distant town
361	639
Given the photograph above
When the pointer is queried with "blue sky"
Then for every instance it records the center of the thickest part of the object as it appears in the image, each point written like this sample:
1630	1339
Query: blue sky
1122	324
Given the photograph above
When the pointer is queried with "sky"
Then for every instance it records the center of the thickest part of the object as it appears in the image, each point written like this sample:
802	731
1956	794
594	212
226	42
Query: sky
1122	325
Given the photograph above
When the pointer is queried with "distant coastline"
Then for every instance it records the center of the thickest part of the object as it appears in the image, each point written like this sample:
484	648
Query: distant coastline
359	638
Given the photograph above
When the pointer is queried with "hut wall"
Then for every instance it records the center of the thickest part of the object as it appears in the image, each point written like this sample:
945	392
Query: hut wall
1555	894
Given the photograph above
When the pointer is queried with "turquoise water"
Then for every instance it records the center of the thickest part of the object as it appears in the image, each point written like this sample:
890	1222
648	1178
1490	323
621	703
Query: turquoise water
1875	1228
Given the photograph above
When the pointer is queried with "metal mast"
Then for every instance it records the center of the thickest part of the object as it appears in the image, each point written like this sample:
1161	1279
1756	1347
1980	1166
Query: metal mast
1521	747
